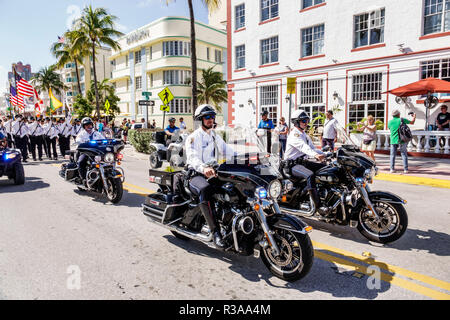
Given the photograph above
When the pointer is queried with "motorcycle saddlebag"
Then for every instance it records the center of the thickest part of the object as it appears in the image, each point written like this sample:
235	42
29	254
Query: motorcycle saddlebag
161	177
69	171
164	208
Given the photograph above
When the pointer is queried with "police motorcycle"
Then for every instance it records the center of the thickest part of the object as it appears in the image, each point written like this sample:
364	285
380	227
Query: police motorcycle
343	188
173	152
103	175
11	163
246	189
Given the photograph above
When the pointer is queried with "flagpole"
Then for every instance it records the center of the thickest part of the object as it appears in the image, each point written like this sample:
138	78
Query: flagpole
15	85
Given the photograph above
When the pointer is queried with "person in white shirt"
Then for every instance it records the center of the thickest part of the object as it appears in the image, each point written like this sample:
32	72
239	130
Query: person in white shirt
76	129
86	134
36	138
330	128
8	131
20	134
50	138
65	130
203	146
299	147
182	124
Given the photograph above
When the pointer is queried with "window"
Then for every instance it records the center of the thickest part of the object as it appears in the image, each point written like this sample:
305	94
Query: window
207	54
180	106
313	40
436	16
310	3
369	28
311	98
176	77
240	57
439	69
138	83
218	56
269	50
367	87
240	16
137	57
269	101
269	9
126	60
176	48
366	93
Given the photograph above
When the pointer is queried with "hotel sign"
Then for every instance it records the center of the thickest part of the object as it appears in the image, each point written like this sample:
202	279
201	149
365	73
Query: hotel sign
137	36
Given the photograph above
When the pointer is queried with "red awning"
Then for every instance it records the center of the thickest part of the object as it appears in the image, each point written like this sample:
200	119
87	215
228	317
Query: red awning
422	87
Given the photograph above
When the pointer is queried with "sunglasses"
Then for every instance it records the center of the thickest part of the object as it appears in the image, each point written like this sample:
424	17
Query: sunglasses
304	121
209	117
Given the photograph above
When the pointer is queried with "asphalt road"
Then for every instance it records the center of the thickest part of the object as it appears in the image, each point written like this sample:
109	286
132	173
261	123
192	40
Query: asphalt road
59	243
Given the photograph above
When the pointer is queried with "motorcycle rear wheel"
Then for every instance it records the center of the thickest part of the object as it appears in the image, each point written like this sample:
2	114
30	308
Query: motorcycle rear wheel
296	258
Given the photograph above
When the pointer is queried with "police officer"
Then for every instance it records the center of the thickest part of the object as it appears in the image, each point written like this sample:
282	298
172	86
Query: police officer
76	129
19	132
64	132
86	134
36	132
202	147
51	136
300	146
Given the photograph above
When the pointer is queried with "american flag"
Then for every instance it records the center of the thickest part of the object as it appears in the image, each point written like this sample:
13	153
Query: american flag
23	87
61	39
15	99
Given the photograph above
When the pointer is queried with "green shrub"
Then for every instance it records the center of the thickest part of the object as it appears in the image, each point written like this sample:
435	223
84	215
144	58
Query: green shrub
140	139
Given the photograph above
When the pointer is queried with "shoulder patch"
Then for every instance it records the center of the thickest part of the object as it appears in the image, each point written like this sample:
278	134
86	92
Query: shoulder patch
296	134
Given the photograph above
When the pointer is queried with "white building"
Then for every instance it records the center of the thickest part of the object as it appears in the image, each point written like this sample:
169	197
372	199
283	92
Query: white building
157	56
344	54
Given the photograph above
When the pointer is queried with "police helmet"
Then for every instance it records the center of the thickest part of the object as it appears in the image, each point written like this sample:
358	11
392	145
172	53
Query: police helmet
86	121
298	116
204	110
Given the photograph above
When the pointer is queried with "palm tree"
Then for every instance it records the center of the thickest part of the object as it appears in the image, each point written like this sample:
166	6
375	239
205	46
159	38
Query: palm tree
212	88
95	28
212	5
65	53
47	79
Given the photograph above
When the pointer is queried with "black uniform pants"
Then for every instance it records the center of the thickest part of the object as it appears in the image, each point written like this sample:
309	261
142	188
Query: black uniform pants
51	146
64	144
9	140
82	162
306	171
36	142
201	188
22	144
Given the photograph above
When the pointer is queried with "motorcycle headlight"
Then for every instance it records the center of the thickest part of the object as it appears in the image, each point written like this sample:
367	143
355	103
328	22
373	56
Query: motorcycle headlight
369	174
9	156
275	189
97	158
109	157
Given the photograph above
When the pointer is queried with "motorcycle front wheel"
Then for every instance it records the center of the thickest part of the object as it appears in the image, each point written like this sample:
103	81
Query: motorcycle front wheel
295	259
391	225
115	190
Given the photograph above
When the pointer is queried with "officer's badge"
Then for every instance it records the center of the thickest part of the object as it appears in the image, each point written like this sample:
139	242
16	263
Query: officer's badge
296	134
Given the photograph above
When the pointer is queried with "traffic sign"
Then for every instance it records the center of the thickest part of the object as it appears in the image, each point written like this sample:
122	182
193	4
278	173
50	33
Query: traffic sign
146	95
166	96
149	103
291	85
164	108
107	106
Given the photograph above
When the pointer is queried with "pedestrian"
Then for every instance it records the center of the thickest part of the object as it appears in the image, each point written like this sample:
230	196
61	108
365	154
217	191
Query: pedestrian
283	133
396	144
330	129
267	125
124	130
36	140
64	132
369	140
443	119
144	124
154	124
182	124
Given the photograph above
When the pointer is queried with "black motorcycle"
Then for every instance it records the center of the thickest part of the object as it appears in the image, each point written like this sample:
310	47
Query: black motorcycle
11	165
103	175
251	223
342	185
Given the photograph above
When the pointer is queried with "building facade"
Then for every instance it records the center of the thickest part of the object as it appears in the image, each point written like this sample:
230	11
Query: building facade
86	72
23	70
157	56
344	56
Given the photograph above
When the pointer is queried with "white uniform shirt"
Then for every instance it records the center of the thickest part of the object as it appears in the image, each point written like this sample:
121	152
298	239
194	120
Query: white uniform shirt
19	128
8	126
51	130
84	136
200	149
35	129
76	130
65	128
330	129
299	144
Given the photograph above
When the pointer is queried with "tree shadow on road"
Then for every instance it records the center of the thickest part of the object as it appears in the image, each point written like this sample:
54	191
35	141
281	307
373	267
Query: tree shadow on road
31	184
129	199
336	274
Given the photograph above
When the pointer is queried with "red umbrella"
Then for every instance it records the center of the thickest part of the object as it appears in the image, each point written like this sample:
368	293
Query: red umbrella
422	87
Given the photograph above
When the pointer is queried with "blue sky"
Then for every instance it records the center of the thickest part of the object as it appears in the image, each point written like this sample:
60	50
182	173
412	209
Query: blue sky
27	31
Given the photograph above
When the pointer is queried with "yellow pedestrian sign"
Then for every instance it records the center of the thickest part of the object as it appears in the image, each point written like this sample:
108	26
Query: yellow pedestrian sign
166	96
164	108
107	106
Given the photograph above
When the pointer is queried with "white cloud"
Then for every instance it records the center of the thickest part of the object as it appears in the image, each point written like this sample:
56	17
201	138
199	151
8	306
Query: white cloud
121	27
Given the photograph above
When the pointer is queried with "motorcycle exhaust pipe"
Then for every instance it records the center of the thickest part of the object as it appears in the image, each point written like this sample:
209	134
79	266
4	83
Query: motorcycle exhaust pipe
306	211
92	178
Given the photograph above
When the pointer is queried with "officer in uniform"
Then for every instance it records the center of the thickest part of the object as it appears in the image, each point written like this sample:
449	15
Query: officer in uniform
202	147
299	146
64	132
36	137
51	136
8	130
19	132
76	129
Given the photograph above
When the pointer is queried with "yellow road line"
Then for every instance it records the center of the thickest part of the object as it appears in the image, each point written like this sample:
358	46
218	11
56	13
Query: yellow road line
394	269
437	183
138	188
411	286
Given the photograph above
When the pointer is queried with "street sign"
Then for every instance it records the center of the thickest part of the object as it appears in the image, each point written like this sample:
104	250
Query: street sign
107	106
146	95
166	96
164	108
291	85
149	103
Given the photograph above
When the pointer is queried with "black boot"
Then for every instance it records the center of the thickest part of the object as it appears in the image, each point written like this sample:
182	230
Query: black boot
209	214
323	210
